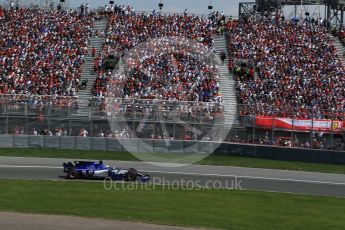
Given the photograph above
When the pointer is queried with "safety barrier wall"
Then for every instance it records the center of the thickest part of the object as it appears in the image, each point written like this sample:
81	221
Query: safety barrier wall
104	144
282	153
161	146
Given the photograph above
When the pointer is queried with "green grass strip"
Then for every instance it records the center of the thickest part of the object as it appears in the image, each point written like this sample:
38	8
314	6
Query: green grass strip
222	209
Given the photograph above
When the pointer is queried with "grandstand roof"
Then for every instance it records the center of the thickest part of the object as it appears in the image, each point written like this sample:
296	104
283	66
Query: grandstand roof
299	2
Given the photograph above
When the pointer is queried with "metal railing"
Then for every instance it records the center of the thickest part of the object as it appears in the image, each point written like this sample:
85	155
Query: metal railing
134	118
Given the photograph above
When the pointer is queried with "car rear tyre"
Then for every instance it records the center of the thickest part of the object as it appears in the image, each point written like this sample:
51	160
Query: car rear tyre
132	174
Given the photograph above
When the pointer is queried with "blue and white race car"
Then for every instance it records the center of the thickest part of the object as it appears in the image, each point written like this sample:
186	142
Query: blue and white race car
93	170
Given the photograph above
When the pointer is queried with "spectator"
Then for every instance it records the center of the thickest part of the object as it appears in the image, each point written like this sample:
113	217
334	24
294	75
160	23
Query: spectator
100	134
222	56
34	132
83	132
93	51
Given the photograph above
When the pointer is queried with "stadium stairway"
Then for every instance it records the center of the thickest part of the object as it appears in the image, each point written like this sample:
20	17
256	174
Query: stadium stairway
88	73
340	49
226	81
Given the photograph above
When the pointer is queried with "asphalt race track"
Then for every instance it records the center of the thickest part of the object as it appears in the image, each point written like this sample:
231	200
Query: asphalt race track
19	221
192	176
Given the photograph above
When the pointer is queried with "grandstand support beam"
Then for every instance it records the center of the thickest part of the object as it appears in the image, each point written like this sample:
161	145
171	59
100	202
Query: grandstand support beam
246	8
270	7
334	9
335	15
329	12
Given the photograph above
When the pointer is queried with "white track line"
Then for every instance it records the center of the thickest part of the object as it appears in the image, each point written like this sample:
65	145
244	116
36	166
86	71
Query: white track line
30	166
194	174
246	177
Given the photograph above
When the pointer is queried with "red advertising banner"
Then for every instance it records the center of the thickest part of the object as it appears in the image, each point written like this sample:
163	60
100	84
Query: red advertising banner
299	124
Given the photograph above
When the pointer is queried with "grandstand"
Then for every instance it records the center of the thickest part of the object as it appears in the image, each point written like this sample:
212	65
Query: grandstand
42	53
59	68
298	69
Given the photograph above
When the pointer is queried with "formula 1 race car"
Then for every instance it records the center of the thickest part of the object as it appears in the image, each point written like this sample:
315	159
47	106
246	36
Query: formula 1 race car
93	170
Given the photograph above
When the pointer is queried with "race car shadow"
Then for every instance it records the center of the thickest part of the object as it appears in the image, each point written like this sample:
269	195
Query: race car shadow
81	178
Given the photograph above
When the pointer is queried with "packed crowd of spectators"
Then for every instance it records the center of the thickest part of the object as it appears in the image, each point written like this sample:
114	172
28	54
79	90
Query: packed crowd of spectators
41	53
172	131
169	71
102	82
127	29
302	140
61	131
26	104
184	93
299	71
168	111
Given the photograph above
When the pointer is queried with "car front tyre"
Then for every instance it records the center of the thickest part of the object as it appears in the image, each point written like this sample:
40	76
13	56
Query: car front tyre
71	174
